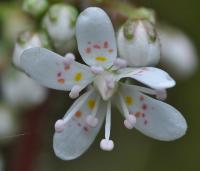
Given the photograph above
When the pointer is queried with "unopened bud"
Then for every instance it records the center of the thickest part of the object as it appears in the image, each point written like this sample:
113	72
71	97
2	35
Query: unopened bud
35	7
59	22
18	89
25	41
138	43
178	53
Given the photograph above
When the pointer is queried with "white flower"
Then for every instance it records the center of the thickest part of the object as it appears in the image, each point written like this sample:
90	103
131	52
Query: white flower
178	53
82	122
138	43
21	91
59	22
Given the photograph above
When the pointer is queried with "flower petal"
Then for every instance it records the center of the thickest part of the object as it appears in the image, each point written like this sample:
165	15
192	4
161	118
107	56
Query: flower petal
150	76
155	119
50	69
77	136
96	37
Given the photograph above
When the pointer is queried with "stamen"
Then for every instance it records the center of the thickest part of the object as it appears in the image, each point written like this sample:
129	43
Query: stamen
69	58
97	69
160	94
110	81
145	90
120	63
107	144
91	120
74	93
60	124
130	120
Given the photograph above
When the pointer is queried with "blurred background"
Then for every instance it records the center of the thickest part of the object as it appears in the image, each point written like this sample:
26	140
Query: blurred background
28	111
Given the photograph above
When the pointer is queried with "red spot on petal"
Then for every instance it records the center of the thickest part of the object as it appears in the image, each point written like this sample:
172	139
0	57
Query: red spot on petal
141	98
59	74
78	114
96	46
66	67
88	50
145	122
105	45
61	81
110	50
138	114
85	129
144	106
143	115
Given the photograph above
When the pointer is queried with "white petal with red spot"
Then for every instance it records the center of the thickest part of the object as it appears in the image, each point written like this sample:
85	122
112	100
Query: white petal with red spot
155	119
77	135
51	70
150	76
96	37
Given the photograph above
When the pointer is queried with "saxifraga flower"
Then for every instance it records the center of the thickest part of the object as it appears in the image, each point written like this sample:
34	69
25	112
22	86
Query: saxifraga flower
104	76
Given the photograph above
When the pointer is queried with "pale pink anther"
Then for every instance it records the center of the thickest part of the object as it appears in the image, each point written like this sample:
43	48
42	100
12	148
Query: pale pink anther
161	94
97	69
92	121
130	121
120	63
69	58
59	125
74	93
106	145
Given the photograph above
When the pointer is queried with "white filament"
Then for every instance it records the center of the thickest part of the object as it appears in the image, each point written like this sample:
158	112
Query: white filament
77	106
108	121
124	107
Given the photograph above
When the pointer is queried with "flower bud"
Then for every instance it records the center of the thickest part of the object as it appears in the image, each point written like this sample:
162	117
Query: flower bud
35	7
17	89
138	43
178	53
25	41
59	22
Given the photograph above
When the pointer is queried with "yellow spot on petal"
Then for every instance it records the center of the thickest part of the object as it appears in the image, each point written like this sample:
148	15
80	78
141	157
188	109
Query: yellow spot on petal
101	58
91	104
129	100
78	76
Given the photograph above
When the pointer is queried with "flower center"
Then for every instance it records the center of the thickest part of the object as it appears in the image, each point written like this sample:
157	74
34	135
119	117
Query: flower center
106	84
